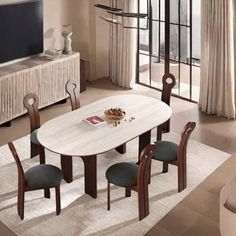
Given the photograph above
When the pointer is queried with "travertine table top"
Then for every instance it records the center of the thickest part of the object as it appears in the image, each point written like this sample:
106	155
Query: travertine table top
70	135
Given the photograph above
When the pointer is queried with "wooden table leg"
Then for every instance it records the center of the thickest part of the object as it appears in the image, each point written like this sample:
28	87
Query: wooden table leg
144	140
121	149
67	168
90	175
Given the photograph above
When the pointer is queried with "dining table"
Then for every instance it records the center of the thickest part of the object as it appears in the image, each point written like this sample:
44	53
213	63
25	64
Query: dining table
70	136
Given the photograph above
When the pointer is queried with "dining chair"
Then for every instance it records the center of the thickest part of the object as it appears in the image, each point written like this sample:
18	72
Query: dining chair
133	177
171	153
31	103
73	89
168	82
38	177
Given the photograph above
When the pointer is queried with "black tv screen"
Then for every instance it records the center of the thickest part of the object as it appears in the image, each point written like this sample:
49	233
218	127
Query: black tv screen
21	30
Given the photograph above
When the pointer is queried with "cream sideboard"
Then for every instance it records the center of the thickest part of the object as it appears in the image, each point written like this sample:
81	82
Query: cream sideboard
38	75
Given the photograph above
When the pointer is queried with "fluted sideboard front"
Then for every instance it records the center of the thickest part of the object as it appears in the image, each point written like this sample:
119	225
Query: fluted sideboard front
38	75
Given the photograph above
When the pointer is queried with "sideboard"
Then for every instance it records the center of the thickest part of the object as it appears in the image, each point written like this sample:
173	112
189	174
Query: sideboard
39	75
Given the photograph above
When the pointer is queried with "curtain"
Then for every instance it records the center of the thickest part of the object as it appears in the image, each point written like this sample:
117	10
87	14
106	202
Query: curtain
217	89
123	48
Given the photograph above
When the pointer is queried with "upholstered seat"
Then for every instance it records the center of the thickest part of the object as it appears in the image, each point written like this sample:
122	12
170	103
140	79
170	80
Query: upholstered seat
43	177
171	153
33	137
165	151
38	177
133	177
123	174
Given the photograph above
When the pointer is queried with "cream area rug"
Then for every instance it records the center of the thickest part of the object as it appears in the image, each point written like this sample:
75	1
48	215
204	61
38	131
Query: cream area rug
83	215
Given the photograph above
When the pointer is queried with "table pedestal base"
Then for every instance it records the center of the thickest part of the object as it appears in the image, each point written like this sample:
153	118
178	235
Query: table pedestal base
67	168
90	167
121	149
90	175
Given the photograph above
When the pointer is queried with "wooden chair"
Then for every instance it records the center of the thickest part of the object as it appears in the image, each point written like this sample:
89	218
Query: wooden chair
31	103
169	82
38	177
171	153
133	177
73	89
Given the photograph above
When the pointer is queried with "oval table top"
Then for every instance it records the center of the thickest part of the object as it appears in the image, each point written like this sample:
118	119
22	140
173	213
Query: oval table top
70	135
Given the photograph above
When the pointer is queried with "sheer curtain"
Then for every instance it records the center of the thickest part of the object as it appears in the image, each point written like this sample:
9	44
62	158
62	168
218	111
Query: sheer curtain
123	48
217	89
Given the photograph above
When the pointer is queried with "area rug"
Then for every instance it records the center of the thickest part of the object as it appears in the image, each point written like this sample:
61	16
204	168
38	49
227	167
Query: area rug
83	215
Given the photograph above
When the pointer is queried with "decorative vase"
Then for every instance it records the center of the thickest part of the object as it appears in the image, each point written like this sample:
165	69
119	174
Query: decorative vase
66	34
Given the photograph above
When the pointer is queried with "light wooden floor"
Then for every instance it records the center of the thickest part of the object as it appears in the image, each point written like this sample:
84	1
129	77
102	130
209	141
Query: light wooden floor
198	214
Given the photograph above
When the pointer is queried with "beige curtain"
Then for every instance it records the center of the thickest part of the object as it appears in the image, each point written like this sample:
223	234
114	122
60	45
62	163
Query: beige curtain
217	90
123	48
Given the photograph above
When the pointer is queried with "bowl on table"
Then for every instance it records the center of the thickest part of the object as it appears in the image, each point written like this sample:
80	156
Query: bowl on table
115	114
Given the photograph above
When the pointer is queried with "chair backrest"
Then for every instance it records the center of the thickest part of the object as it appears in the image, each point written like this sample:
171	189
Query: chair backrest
182	148
21	175
145	165
31	103
73	89
168	82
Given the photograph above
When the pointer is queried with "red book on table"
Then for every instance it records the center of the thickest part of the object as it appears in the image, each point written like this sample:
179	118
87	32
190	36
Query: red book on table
95	121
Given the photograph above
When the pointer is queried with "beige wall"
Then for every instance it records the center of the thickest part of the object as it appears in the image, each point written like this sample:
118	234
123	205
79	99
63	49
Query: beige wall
79	11
102	40
56	14
90	33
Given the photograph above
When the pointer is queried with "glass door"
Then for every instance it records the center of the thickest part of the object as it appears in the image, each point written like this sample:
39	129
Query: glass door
185	38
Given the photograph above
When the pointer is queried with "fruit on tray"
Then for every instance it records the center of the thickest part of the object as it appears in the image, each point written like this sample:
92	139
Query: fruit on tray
115	113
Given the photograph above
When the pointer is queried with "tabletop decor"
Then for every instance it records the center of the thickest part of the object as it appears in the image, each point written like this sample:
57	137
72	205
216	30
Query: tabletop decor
95	121
115	113
66	34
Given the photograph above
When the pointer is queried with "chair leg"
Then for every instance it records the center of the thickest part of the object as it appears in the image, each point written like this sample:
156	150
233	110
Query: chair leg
127	192
159	132
165	167
143	202
47	193
34	150
41	154
149	174
108	197
58	200
21	203
182	177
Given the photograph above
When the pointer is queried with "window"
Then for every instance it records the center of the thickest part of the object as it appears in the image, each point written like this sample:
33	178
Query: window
184	46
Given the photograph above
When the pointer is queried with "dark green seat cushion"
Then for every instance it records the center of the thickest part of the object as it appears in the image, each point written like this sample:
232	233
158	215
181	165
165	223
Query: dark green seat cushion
43	176
33	137
165	151
123	174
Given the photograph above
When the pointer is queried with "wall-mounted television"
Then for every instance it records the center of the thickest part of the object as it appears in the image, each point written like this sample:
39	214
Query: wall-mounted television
21	30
